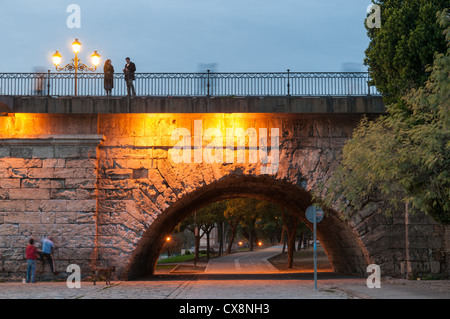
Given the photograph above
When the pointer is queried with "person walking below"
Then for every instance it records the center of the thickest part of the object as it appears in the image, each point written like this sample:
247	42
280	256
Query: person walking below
129	70
108	70
47	247
31	256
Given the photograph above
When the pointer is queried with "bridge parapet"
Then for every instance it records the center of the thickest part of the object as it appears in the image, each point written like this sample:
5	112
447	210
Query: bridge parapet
99	105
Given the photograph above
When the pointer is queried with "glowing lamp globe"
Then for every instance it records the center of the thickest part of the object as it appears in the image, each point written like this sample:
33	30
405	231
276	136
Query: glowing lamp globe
95	58
76	46
57	58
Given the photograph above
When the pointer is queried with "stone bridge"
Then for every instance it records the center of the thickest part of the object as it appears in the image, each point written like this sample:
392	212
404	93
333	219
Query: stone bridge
100	176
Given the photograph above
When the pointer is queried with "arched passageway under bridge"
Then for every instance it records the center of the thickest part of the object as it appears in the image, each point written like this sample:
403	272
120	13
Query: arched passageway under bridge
344	249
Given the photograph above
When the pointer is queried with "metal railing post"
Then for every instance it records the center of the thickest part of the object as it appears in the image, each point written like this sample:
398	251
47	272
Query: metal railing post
207	85
48	83
288	83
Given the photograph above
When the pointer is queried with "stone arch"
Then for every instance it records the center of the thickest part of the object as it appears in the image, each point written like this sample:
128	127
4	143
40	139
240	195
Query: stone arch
344	249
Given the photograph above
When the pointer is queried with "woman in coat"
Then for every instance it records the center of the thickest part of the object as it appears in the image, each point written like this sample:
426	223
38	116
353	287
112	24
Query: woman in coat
108	70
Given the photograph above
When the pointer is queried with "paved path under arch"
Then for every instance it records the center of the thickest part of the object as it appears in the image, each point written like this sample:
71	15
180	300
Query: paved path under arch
249	262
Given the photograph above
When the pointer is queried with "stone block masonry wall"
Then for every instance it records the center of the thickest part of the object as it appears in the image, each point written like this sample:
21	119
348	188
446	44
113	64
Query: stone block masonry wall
385	239
106	188
48	187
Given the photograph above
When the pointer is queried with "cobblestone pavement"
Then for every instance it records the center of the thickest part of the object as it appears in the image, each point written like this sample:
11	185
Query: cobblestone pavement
221	286
194	288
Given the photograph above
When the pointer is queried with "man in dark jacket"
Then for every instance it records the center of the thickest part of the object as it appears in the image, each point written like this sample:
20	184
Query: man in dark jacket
129	70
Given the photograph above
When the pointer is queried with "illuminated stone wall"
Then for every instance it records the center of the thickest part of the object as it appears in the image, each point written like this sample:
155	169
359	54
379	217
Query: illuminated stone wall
108	190
48	187
139	180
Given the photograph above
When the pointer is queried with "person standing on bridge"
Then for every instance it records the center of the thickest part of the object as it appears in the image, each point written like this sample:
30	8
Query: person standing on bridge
129	70
108	70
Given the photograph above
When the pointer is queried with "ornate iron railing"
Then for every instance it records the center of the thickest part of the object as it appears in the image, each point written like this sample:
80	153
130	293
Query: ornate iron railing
192	84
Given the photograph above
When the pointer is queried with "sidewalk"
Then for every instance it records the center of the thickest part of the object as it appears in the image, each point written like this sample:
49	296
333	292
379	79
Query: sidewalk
232	287
399	289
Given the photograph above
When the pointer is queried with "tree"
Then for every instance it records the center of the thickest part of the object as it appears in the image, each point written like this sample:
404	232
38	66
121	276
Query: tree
291	222
219	209
207	218
237	210
192	225
269	222
302	232
403	157
406	42
250	215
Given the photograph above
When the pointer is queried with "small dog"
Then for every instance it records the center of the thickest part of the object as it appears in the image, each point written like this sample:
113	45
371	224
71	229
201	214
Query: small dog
104	272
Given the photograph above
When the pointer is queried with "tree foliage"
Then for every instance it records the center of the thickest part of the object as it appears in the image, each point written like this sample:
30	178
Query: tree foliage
403	157
269	223
406	42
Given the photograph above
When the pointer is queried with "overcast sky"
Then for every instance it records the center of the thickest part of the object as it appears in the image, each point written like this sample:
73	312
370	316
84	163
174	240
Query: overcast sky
179	35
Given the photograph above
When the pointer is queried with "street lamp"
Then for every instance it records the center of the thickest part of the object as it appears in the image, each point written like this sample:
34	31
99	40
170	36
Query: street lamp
168	239
75	64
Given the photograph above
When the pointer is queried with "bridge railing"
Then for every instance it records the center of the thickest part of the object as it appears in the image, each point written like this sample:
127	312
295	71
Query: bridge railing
192	84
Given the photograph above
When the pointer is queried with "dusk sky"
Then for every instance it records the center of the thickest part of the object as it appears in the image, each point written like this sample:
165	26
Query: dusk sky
179	35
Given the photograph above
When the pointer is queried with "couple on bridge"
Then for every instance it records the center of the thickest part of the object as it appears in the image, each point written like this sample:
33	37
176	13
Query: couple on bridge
129	70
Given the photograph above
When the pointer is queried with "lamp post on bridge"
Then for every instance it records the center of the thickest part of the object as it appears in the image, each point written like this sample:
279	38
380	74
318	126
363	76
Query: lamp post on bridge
76	64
